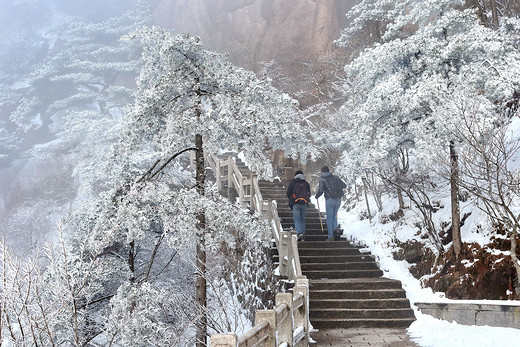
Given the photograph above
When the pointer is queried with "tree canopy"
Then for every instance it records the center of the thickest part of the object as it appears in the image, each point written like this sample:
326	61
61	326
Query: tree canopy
428	52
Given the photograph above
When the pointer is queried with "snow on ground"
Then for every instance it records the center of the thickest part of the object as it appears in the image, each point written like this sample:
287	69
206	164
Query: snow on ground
426	331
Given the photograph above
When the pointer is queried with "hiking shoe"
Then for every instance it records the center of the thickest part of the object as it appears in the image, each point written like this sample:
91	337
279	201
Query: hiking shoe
301	237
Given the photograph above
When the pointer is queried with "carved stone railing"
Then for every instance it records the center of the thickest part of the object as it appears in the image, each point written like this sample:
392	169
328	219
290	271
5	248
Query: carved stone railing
226	169
269	323
289	257
286	325
247	188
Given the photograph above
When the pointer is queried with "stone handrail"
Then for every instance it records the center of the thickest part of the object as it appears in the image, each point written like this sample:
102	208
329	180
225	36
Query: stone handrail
248	190
285	325
263	334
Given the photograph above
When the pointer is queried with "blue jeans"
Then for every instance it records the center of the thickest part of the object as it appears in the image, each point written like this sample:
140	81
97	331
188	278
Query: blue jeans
299	213
332	207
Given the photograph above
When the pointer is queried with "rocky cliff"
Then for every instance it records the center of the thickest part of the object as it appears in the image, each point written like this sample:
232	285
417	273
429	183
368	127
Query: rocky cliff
254	31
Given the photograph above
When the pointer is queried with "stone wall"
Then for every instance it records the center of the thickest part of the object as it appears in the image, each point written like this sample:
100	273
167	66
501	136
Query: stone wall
496	315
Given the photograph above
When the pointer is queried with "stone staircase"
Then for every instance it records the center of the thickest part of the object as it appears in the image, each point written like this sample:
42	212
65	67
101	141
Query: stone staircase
346	287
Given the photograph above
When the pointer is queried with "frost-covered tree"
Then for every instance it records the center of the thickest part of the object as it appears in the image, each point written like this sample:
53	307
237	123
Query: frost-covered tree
189	98
96	288
490	172
427	52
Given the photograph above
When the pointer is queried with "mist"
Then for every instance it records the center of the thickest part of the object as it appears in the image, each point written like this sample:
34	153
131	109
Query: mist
37	186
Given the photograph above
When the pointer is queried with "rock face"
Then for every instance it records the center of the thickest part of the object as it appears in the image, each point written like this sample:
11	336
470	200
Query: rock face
254	31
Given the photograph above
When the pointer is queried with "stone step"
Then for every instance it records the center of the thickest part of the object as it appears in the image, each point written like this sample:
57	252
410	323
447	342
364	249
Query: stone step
325	261
309	227
274	194
330	250
364	294
311	237
366	265
328	259
317	274
315	230
284	209
267	184
327	244
359	304
277	194
378	313
331	323
354	284
309	220
319	238
309	224
311	214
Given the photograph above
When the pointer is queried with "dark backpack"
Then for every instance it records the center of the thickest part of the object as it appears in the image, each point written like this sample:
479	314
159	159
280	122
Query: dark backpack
300	193
334	187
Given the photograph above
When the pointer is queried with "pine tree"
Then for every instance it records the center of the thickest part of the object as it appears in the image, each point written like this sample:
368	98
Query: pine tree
191	98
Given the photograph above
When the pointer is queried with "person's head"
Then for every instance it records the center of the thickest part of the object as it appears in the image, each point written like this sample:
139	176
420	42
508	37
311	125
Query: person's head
298	172
325	169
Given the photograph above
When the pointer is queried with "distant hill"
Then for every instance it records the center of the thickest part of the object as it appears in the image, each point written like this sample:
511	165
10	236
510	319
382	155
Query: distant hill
254	31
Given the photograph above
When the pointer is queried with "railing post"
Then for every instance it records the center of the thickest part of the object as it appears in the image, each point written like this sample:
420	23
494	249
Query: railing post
240	187
291	267
223	340
253	205
301	315
283	253
285	327
251	192
217	175
295	256
229	175
270	317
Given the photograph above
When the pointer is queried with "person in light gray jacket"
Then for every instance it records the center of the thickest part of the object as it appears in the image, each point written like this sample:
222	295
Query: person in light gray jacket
332	187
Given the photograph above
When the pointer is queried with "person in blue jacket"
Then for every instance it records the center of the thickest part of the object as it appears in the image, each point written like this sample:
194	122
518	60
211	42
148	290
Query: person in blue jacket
299	192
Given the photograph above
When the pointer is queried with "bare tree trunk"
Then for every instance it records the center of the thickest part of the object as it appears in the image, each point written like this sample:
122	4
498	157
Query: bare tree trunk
494	13
365	189
455	211
481	11
400	198
376	191
200	283
131	260
404	162
377	31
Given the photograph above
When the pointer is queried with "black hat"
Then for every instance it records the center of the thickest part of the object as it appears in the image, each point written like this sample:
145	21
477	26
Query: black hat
325	169
298	172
